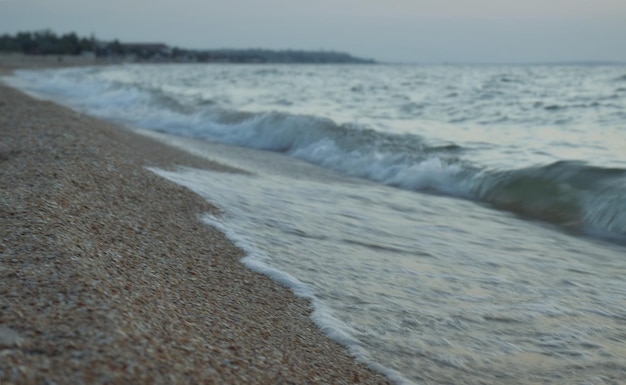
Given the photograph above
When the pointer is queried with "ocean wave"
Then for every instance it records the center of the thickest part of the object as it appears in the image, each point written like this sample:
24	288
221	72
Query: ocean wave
567	193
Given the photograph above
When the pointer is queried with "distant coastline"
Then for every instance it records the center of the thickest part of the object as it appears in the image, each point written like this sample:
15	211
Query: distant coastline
47	43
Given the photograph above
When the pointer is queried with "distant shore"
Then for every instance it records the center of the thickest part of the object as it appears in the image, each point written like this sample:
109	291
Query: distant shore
14	61
108	276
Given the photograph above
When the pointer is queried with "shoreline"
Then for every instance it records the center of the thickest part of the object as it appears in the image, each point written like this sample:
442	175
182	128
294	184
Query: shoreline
107	274
16	61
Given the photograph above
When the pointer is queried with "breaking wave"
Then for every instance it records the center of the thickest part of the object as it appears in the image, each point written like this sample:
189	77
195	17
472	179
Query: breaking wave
567	193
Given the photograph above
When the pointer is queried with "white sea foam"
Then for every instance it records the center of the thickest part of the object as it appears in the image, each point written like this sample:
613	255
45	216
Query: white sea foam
255	259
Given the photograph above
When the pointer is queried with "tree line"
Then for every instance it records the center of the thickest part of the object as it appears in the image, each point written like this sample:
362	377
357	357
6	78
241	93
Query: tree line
46	42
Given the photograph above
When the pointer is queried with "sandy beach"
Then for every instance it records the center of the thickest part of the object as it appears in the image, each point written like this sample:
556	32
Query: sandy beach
108	276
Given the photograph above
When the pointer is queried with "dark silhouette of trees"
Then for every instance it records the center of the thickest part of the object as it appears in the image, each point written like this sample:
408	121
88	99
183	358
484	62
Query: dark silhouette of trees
45	42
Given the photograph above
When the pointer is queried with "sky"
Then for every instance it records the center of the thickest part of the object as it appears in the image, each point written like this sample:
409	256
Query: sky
422	31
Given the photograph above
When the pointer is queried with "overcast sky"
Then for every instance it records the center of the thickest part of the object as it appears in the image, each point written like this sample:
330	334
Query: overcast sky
386	30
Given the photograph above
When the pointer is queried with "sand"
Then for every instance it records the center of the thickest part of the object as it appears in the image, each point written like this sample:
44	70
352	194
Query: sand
107	275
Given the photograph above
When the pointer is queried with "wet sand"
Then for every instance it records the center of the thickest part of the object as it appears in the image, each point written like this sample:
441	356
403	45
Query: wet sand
108	276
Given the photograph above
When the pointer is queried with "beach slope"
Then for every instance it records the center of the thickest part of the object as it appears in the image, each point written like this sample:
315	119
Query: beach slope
108	276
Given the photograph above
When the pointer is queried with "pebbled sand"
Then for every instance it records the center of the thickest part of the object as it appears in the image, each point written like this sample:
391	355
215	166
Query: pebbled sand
108	277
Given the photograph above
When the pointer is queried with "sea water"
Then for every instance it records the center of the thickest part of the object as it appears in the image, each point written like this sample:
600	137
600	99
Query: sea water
450	224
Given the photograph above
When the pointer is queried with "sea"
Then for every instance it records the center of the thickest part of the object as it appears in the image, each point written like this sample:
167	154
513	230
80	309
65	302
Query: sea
450	224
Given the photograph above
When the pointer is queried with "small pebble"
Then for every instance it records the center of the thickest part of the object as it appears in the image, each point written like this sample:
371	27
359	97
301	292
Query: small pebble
9	338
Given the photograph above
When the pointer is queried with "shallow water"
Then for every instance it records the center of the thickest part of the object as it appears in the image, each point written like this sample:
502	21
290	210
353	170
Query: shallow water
450	224
434	288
